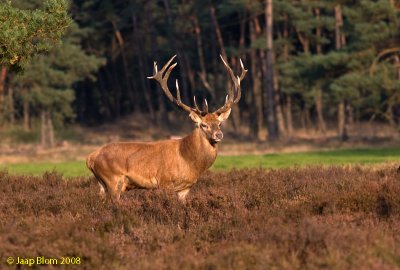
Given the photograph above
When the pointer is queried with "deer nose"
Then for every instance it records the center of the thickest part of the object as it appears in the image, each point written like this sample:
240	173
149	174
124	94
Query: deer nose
219	135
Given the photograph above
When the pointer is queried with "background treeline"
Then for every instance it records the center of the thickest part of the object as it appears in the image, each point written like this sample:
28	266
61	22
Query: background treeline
312	64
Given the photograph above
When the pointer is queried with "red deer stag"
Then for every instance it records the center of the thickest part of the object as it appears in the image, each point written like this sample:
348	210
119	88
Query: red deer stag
175	164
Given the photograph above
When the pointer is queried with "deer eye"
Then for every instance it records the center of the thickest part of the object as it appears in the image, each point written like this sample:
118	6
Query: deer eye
204	125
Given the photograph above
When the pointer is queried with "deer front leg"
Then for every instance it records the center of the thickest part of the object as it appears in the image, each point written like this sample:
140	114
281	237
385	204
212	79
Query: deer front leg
114	185
182	194
102	191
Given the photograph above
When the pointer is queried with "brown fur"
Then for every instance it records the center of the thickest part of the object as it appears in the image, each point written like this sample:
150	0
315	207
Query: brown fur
172	164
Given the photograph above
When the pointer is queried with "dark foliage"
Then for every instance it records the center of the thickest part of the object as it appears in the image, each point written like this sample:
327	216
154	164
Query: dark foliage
336	218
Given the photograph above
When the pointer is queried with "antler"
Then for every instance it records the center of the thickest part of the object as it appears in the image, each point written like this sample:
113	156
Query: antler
234	93
162	78
205	111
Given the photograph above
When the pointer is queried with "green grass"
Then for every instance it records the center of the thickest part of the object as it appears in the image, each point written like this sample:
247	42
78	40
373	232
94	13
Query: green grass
67	168
336	157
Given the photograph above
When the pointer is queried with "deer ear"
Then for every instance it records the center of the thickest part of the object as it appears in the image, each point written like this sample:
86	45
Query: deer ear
195	117
223	116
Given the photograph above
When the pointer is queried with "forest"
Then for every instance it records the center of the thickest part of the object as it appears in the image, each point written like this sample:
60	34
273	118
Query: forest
312	65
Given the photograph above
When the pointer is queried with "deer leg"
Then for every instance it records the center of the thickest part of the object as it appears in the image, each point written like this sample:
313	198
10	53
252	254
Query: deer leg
182	194
102	184
102	191
117	188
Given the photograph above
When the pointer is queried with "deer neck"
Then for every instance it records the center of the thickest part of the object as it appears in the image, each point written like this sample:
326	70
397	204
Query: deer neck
196	149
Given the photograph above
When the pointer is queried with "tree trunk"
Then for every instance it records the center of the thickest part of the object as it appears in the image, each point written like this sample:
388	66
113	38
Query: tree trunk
131	94
339	37
268	75
117	90
11	105
288	104
3	75
279	111
397	62
236	112
289	118
321	126
43	133
161	116
186	72
306	120
50	131
107	101
200	53
27	126
46	130
342	127
256	87
162	111
199	43
303	121
217	31
145	87
305	43
390	116
141	57
180	53
318	31
339	42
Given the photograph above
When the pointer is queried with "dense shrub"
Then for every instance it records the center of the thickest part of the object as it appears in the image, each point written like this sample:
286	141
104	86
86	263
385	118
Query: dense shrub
337	218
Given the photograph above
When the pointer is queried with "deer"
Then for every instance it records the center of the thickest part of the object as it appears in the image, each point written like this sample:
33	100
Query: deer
173	163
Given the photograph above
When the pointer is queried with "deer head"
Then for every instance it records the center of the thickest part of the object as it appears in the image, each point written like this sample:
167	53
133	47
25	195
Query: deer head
208	122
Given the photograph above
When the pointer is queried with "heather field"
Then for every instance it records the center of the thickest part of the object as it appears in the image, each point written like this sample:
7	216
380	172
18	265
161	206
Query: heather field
341	217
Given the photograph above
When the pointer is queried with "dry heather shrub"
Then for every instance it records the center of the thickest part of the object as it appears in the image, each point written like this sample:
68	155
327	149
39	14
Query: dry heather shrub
309	218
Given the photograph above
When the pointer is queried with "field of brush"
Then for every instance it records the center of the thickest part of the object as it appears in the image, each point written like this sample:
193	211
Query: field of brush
331	217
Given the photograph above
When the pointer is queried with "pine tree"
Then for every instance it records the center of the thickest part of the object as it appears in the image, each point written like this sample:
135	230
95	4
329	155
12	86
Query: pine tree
47	81
24	33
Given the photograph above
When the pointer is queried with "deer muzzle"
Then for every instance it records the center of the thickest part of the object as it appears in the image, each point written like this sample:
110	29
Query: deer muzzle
217	136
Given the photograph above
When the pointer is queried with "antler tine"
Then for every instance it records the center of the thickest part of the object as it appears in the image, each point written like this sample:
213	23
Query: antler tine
226	106
232	75
239	79
162	78
239	91
232	97
195	104
160	74
164	81
197	108
178	100
244	71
